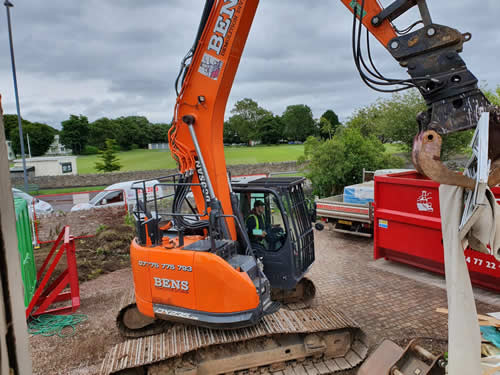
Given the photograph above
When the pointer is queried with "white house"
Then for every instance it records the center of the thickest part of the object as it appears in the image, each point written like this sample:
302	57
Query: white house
10	153
56	148
50	165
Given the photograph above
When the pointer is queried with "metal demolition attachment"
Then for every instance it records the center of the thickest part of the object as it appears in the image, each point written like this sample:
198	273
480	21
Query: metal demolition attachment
478	168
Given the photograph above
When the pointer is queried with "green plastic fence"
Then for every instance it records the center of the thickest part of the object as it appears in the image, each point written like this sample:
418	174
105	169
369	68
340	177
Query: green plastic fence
25	246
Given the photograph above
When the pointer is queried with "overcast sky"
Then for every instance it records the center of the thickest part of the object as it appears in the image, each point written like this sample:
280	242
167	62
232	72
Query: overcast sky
120	57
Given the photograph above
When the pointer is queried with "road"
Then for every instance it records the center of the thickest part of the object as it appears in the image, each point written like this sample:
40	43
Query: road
64	202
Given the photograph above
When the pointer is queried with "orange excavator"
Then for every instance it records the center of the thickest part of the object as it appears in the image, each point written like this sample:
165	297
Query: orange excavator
196	260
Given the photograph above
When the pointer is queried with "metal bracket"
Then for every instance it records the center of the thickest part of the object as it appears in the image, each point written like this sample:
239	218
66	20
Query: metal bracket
478	168
398	8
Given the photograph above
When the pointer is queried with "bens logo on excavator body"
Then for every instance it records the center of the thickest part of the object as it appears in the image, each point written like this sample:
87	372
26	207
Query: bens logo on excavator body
181	285
222	26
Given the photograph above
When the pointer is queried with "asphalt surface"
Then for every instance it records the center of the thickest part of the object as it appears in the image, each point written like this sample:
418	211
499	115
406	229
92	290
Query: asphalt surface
64	202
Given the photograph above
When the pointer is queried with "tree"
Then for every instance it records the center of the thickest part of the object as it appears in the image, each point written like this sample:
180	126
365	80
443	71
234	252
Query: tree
394	120
108	157
332	119
245	120
299	122
339	162
326	127
100	130
10	123
270	129
493	95
129	132
133	132
40	135
230	132
75	133
158	133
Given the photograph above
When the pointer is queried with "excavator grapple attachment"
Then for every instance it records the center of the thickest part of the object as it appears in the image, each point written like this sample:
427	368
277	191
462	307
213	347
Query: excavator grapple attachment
426	156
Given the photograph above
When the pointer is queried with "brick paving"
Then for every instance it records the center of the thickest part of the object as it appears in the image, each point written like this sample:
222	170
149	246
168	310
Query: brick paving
386	305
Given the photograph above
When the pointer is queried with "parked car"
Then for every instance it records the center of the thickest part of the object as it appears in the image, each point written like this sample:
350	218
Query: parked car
41	207
118	195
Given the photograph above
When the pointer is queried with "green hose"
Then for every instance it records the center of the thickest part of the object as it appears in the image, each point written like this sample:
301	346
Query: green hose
50	325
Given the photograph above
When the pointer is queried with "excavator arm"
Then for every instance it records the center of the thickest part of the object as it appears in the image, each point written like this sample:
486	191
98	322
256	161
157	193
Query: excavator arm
430	54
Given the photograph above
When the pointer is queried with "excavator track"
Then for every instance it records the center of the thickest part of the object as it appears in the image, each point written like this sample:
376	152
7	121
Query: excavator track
289	341
299	297
132	324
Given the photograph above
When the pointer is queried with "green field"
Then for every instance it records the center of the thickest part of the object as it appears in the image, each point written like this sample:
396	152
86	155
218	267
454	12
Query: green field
393	148
69	190
140	160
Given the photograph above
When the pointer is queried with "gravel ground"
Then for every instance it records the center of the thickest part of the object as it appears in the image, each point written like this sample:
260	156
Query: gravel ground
385	305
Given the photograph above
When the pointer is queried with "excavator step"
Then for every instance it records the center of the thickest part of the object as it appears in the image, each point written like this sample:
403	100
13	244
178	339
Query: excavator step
289	341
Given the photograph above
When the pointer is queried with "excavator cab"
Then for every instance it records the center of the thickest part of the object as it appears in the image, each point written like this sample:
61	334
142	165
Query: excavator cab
287	250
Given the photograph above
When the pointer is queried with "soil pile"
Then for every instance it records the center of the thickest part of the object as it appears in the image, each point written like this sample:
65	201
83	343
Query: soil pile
106	252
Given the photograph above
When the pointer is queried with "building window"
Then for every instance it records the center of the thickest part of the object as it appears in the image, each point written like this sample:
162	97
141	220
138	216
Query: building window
66	168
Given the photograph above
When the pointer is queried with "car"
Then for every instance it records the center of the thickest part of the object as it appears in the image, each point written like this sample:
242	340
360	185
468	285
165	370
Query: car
41	207
120	194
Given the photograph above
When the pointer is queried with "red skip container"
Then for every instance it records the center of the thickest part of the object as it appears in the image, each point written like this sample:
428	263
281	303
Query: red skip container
407	228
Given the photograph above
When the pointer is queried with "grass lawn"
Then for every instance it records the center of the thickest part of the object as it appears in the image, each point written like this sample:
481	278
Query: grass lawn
138	160
69	190
393	148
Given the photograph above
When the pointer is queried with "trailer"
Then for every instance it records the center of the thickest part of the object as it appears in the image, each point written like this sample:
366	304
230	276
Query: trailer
353	218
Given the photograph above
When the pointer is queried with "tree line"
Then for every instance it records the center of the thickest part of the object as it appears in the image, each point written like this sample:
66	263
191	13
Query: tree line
250	122
84	137
128	133
339	160
388	120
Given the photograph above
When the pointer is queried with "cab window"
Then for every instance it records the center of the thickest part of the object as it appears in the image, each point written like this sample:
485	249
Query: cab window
270	232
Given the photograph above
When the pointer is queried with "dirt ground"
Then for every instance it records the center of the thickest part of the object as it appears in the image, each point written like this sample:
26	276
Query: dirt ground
384	304
108	251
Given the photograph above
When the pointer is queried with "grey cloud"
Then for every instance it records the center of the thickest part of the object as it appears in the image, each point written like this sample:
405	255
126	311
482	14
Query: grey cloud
121	57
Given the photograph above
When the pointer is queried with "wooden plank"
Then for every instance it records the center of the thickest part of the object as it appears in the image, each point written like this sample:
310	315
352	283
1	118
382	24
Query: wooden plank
483	319
289	371
492	371
18	345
